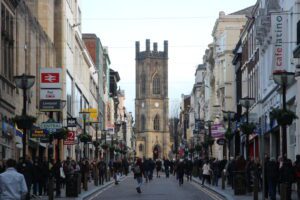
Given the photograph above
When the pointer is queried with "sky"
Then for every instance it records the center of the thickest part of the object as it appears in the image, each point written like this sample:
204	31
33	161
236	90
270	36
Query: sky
186	24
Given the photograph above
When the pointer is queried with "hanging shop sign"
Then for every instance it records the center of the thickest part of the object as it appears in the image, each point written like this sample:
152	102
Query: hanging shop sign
38	133
70	138
50	105
221	141
71	122
50	78
50	94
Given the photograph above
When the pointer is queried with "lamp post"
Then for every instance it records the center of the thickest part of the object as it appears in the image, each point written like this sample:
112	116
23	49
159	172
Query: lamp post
24	82
84	131
284	79
59	119
247	102
229	115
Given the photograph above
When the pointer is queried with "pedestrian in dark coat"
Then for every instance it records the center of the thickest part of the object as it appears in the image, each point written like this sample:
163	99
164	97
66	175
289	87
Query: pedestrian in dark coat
272	170
158	164
25	167
56	169
180	171
102	171
286	176
297	174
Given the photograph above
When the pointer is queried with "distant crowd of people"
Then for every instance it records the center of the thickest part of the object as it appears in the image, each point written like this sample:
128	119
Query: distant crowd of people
33	176
26	178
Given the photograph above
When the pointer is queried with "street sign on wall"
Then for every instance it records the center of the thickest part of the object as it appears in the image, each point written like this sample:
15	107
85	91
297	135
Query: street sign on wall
50	105
51	125
50	94
50	77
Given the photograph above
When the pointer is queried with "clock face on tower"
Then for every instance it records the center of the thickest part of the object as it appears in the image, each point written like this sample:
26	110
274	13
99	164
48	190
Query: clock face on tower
156	104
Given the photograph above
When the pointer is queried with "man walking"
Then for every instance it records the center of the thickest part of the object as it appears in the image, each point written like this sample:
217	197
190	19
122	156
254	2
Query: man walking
138	174
12	184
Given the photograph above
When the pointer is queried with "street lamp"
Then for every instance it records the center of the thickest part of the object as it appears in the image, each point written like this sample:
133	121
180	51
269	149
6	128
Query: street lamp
96	143
84	113
247	102
284	79
24	82
228	115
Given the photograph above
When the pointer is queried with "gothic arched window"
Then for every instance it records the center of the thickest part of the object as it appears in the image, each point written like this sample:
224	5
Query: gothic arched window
143	122
143	84
156	84
141	147
156	123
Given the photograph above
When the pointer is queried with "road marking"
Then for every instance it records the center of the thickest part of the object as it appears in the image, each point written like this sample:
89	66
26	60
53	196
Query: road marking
95	196
207	191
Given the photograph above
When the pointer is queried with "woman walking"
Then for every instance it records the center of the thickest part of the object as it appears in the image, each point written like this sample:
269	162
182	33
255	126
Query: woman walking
206	172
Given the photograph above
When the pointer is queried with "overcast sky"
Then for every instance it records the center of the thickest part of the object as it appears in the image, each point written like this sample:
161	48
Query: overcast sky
186	24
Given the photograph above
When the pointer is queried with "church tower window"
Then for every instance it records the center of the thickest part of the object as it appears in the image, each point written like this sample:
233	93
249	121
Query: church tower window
156	123
143	123
156	84
143	84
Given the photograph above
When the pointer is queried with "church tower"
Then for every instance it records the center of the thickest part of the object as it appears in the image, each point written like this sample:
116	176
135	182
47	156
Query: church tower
151	102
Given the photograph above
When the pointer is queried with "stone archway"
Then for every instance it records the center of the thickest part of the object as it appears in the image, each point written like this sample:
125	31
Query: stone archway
156	152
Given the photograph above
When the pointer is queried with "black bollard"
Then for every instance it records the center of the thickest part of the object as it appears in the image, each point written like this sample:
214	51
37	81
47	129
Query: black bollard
223	180
50	188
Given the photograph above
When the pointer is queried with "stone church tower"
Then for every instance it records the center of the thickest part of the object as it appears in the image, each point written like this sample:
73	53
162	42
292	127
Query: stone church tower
152	103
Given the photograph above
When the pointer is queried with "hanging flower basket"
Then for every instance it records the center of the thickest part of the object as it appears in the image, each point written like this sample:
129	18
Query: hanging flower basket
247	128
198	148
117	150
96	143
228	134
24	122
62	134
104	146
283	117
85	138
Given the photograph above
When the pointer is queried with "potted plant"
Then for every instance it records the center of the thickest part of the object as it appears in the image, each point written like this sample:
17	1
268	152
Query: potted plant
85	138
61	134
24	122
96	143
283	116
247	128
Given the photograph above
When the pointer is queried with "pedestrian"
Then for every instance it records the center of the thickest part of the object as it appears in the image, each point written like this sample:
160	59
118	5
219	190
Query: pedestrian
158	167
151	168
215	172
167	167
57	171
189	169
12	184
272	170
138	174
25	167
297	174
286	176
206	172
146	167
180	171
102	171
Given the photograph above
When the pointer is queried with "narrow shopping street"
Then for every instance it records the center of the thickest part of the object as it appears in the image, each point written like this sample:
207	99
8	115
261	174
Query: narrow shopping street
159	189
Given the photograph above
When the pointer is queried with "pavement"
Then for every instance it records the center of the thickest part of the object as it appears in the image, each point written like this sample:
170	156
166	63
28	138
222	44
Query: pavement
228	192
84	195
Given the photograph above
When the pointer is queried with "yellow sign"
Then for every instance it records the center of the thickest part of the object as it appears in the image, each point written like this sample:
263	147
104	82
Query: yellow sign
93	114
38	133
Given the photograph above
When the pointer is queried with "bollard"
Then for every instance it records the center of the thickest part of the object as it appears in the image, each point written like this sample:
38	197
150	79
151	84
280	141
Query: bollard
85	182
283	191
255	188
96	176
50	188
223	180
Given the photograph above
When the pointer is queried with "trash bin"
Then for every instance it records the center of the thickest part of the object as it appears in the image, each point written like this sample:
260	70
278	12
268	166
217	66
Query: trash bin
72	185
239	181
